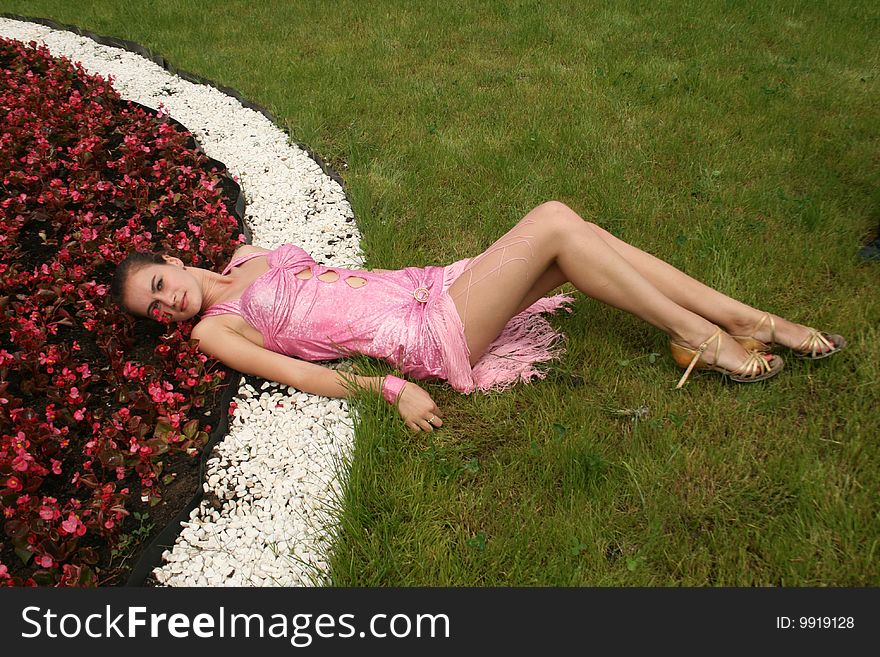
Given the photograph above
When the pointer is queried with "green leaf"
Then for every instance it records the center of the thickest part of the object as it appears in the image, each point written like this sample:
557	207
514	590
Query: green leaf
44	577
559	431
190	428
478	541
162	429
634	562
87	577
158	446
23	553
678	420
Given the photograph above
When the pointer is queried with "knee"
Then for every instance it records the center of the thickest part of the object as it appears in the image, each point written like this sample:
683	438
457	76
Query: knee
553	208
561	218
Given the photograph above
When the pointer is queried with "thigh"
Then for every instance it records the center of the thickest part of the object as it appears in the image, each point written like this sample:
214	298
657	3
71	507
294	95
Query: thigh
493	287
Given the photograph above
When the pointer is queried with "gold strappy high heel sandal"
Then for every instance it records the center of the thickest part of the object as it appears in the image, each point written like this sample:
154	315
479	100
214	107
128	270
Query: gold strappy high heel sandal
754	368
818	344
812	348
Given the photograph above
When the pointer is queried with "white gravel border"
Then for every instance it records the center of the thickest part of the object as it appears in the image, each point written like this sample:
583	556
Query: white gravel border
265	519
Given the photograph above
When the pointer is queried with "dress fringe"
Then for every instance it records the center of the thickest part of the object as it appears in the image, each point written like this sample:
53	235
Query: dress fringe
527	339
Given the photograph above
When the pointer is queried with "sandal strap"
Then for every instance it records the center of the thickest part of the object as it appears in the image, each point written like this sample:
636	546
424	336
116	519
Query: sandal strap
757	327
815	340
699	352
754	365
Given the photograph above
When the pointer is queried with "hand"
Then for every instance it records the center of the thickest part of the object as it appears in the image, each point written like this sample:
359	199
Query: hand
416	407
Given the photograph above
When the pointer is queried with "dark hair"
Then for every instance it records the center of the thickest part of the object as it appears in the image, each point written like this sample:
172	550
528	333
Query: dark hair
132	263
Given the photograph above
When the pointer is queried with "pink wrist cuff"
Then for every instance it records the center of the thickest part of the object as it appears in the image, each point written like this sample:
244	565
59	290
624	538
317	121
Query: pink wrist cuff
392	386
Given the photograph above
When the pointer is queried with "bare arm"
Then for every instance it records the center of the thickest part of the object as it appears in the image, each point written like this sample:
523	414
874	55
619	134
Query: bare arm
239	353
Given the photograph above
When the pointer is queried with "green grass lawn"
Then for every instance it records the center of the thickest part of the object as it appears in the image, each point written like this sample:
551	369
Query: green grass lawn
737	140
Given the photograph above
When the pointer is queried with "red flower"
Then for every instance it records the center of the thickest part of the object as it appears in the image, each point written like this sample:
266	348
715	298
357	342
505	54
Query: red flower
106	203
21	462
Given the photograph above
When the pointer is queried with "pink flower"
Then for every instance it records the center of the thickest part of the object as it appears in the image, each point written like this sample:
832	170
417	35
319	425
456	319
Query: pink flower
21	462
48	513
45	561
14	483
132	371
73	525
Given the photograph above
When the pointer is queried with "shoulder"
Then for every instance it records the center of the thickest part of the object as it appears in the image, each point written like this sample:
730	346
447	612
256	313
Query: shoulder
244	250
223	324
209	325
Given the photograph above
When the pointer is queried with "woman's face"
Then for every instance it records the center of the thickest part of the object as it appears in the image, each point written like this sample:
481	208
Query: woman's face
157	290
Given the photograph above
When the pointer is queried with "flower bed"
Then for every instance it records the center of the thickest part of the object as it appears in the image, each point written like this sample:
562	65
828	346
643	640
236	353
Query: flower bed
93	405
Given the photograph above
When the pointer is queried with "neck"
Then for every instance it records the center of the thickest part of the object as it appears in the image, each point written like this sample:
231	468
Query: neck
214	286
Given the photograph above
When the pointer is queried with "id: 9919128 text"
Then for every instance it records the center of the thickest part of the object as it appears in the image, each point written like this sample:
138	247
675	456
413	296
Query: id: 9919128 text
815	622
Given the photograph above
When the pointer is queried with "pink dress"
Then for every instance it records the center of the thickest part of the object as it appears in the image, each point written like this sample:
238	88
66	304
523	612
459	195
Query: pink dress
405	317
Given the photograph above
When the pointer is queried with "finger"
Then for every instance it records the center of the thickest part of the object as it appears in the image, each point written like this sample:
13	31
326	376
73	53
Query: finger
426	426
413	426
437	422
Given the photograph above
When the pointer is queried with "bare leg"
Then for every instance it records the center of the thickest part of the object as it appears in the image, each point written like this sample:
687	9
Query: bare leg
734	316
501	281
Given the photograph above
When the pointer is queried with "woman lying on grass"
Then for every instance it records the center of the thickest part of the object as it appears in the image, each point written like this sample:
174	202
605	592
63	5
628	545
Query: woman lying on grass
475	323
